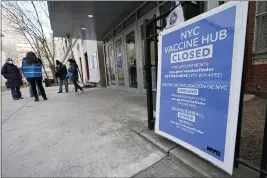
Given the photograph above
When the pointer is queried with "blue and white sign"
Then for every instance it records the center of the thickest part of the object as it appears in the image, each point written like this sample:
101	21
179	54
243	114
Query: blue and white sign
199	81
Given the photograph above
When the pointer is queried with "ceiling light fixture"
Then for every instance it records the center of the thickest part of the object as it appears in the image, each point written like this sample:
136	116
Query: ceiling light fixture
83	28
90	16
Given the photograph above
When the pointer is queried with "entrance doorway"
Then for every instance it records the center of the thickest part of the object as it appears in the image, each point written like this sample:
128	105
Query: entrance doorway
132	63
141	54
110	63
120	61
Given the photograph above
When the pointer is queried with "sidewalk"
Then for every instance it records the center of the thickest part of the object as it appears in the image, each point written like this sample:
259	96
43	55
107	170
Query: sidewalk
101	133
86	135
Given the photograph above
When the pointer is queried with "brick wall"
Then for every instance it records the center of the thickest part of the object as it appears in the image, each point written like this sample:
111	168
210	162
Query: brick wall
256	71
258	79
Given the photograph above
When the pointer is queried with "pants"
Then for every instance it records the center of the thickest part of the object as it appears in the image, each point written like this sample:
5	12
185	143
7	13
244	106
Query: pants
39	84
30	90
15	92
76	85
60	83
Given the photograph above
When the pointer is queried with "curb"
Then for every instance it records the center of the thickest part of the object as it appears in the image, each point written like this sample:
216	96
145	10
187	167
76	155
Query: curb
188	159
163	144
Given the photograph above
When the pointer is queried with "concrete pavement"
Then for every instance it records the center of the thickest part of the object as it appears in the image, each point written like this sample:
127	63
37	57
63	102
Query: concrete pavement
86	135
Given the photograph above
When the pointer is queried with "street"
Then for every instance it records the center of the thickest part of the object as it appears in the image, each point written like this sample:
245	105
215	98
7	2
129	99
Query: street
85	135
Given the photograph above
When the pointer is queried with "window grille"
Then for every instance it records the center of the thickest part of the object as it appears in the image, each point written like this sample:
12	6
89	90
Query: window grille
260	33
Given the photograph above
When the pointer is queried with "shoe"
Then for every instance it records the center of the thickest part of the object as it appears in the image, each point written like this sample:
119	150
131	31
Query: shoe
45	99
31	96
67	92
15	99
59	92
20	98
36	100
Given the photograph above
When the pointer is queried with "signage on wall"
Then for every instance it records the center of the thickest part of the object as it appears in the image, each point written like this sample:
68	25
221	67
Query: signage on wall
199	81
94	61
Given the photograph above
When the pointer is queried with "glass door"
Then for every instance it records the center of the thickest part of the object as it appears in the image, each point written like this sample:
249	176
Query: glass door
141	54
133	83
119	56
111	70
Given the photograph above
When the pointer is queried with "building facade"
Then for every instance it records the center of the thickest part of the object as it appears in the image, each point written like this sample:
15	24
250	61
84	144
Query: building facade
122	43
256	57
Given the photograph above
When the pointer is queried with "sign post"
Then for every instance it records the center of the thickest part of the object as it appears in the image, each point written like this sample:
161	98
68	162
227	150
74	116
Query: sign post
199	79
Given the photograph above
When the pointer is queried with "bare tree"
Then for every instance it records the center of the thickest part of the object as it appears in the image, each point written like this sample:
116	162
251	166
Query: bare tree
9	49
26	16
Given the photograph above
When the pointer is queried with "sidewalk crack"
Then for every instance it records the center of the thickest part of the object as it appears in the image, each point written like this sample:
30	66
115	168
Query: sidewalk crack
16	111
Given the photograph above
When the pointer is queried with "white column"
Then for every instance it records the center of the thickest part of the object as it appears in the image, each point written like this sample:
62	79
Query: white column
91	50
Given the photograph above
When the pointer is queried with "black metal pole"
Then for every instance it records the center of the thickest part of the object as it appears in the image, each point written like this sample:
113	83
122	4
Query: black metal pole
148	78
264	147
156	49
241	102
240	116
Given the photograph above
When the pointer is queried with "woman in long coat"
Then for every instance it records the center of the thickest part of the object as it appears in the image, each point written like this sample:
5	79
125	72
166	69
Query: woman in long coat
14	78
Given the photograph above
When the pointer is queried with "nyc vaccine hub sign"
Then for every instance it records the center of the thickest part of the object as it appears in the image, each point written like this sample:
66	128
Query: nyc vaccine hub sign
199	81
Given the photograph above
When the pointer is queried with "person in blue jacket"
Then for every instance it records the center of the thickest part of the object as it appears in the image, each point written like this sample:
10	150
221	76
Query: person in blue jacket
32	70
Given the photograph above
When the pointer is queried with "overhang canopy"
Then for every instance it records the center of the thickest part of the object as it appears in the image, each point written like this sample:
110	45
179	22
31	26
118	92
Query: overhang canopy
68	17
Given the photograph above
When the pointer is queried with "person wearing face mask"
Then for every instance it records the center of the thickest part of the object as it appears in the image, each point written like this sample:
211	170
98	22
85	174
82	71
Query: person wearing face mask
32	70
61	71
14	78
73	74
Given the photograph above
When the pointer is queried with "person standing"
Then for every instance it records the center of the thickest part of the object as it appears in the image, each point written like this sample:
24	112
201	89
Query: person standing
32	70
14	78
61	71
74	70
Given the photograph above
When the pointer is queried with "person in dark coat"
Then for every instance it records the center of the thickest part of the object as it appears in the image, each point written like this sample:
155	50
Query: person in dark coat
14	78
32	70
74	70
61	71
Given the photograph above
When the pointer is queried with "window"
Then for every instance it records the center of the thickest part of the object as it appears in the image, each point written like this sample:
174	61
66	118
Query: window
129	21
146	8
109	37
118	30
260	34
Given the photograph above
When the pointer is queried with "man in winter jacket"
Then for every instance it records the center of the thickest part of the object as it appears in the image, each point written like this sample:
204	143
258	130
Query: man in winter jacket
61	71
14	78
